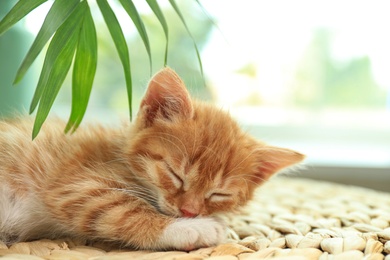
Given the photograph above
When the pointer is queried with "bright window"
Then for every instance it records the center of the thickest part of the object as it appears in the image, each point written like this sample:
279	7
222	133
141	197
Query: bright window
313	74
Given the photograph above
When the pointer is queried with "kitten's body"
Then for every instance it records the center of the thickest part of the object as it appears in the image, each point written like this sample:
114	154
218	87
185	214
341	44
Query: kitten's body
142	184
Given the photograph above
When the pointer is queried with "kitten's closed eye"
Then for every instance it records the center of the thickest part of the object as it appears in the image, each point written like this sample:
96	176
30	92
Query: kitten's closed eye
218	196
177	181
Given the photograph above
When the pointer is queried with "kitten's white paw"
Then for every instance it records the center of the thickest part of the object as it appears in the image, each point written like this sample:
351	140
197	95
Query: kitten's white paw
190	233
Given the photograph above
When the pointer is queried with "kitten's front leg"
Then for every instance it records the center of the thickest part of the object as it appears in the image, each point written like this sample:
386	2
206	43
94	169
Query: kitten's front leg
95	211
190	233
148	229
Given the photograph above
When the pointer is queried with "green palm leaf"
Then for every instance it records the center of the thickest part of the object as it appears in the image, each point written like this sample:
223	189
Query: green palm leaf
59	11
177	10
20	10
84	69
51	52
58	60
211	19
71	23
160	16
139	24
120	44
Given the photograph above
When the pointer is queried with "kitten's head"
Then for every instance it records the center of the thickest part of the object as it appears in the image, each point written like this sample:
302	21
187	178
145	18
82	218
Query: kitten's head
193	156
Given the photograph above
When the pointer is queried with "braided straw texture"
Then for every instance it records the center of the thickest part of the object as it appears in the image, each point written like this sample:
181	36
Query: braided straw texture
290	218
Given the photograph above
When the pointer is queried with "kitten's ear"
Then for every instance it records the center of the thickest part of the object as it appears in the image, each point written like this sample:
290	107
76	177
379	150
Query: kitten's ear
166	98
273	159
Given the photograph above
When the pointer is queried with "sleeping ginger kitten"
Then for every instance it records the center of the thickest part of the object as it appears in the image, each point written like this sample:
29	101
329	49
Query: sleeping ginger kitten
154	184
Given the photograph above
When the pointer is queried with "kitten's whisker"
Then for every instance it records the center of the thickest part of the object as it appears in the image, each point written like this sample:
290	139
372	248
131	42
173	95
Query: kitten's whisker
170	141
246	184
211	150
193	146
111	177
125	184
113	161
251	181
238	164
139	194
181	142
252	176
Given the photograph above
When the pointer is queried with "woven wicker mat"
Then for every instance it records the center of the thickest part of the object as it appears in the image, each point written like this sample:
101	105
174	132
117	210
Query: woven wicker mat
290	218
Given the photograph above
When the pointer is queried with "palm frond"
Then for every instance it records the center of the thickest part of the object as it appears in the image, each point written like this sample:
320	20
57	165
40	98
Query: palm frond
70	31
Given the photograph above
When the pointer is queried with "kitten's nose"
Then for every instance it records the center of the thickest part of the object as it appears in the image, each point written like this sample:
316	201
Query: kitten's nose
188	214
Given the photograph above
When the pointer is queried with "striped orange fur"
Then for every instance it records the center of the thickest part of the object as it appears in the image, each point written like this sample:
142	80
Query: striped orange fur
153	184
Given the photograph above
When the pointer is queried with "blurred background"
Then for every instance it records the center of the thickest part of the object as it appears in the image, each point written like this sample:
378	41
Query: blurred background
309	75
